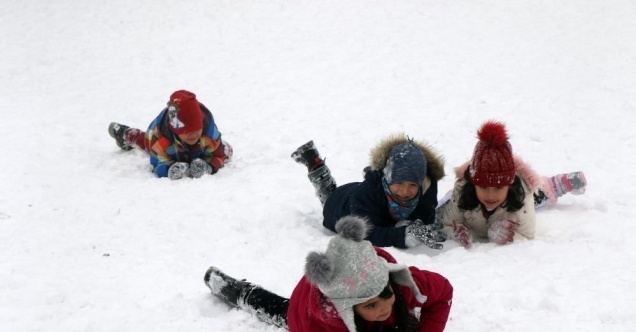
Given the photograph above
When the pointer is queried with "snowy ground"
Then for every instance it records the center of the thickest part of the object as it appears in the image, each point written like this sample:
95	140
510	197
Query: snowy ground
91	241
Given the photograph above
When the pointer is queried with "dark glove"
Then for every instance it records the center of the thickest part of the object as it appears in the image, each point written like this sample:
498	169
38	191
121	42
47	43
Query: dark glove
418	233
198	167
178	170
462	235
502	231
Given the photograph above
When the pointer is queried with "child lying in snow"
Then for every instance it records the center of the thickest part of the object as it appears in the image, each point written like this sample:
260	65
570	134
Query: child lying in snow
352	286
496	193
182	140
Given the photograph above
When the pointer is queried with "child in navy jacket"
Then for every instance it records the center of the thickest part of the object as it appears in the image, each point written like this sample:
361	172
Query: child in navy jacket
398	195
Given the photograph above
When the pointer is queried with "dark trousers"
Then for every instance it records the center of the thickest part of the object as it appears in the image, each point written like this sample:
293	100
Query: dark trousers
267	306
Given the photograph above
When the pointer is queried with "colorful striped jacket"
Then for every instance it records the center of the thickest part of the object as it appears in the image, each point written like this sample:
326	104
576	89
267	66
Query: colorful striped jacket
165	148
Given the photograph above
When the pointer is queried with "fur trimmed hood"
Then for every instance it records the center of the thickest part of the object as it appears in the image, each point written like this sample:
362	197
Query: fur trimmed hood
380	154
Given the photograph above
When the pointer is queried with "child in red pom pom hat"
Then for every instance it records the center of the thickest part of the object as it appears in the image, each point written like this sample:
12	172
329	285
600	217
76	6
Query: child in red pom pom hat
183	140
496	192
492	164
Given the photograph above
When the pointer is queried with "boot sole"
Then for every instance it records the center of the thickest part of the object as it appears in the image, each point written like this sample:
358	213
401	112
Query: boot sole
206	277
111	132
297	155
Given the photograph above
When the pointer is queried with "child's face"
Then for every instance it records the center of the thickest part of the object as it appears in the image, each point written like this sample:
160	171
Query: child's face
491	197
404	191
376	309
192	137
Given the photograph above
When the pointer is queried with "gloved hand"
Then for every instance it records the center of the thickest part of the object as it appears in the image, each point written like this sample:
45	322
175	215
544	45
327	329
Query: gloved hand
502	231
418	233
462	235
178	170
198	167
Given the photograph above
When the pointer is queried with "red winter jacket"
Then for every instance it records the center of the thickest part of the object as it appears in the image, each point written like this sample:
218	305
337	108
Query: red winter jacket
310	311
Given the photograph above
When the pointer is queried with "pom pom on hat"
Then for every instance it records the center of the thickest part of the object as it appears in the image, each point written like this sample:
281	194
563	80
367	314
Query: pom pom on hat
406	162
492	164
350	272
319	268
354	228
184	112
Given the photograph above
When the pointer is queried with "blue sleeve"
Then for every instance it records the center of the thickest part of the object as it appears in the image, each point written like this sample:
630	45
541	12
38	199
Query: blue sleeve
160	170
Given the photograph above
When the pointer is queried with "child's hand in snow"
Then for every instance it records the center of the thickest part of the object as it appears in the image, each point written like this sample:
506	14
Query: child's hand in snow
178	170
462	235
502	231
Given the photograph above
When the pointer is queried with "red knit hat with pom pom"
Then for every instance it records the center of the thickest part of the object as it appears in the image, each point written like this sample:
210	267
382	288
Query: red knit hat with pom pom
492	164
184	112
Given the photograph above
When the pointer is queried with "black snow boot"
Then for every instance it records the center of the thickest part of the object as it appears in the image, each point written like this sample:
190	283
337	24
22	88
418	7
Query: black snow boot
308	155
231	291
117	131
323	182
266	305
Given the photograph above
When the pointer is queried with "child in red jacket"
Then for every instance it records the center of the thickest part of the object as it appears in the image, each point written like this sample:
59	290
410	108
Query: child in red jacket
352	286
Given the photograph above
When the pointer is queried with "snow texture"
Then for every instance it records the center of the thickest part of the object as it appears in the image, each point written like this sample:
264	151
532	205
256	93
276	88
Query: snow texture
90	240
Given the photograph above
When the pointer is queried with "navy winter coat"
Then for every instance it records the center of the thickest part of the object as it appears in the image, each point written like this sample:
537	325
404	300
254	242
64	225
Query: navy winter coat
367	199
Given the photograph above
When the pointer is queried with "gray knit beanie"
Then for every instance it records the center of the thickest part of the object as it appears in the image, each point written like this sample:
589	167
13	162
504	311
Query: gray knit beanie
350	272
406	162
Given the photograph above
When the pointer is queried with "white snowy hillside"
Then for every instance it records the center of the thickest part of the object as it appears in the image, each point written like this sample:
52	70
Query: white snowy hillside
90	240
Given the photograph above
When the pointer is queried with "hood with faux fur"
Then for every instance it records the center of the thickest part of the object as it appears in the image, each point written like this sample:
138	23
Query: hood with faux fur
434	161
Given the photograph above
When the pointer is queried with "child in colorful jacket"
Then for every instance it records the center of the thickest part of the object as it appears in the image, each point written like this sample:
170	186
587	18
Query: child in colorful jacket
398	194
352	286
496	192
182	140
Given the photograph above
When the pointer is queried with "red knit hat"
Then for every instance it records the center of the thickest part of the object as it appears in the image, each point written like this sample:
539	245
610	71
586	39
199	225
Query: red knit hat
184	112
492	164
